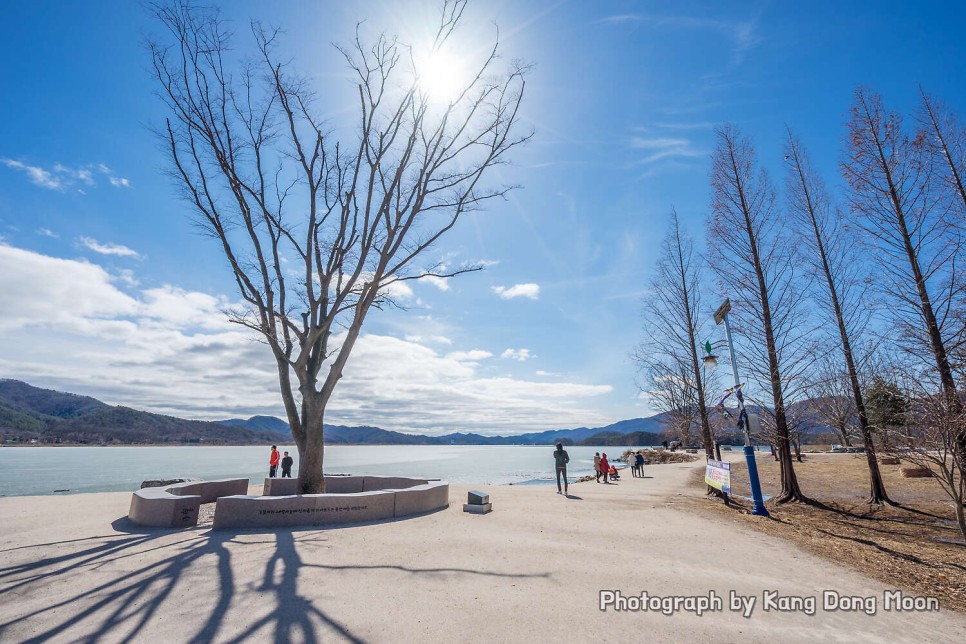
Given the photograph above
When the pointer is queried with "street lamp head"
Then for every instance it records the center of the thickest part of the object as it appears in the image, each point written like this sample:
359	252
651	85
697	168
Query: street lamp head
710	361
722	311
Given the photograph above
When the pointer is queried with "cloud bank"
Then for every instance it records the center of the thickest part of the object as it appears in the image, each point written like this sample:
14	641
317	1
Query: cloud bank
73	325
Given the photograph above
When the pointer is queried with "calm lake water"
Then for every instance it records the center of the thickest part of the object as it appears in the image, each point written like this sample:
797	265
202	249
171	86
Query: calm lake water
43	470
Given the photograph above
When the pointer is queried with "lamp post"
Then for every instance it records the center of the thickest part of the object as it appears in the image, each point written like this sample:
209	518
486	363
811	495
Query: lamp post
721	315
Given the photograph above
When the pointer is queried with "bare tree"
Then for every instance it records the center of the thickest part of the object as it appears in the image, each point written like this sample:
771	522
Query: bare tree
672	325
753	262
945	139
837	271
892	190
830	395
927	439
317	229
670	389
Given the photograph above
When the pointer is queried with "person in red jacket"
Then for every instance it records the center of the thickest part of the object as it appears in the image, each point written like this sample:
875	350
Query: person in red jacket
604	466
273	462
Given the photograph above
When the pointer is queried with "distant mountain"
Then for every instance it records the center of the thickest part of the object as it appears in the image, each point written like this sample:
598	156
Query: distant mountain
45	402
631	439
29	413
266	423
342	435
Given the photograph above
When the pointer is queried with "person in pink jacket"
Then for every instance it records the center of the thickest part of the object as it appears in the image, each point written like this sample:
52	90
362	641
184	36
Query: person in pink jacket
604	466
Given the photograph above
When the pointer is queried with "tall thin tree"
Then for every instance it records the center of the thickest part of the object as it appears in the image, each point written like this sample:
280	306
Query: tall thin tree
672	323
753	262
945	139
892	190
828	256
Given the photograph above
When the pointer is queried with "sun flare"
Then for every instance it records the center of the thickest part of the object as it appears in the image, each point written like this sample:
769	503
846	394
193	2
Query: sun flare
441	76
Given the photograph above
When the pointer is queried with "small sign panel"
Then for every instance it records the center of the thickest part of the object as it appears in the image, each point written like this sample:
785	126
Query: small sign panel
718	475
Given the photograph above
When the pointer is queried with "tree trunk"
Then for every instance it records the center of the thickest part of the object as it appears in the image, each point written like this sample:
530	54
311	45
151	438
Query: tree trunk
928	314
877	492
843	430
790	488
312	450
961	518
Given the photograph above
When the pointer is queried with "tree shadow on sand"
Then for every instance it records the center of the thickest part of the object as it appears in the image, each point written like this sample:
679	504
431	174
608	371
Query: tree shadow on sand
121	605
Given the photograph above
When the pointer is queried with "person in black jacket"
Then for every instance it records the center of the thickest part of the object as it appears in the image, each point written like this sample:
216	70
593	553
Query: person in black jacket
561	459
287	466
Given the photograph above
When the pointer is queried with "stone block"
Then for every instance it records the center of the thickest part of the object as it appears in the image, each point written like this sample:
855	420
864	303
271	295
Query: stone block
164	482
307	509
421	498
156	508
344	484
389	483
889	460
475	497
911	472
209	491
277	487
477	509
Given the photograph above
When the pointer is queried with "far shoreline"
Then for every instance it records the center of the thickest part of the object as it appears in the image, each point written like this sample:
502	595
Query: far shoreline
326	445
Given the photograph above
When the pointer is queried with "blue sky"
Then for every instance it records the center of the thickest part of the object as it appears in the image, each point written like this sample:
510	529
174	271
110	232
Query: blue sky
107	289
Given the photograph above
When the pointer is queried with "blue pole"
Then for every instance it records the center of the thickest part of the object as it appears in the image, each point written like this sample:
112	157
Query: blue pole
759	503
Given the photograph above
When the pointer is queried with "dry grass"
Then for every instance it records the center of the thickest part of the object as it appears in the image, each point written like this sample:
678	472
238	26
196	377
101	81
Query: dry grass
907	546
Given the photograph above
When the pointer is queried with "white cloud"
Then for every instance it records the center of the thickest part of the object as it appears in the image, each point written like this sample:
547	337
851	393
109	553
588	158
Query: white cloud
108	249
169	305
741	34
429	339
529	290
37	175
474	355
84	175
61	176
47	232
442	283
657	143
517	354
48	291
126	275
116	181
659	148
398	291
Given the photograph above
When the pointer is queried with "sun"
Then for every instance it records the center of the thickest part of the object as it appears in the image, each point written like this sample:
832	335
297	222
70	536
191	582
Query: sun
441	75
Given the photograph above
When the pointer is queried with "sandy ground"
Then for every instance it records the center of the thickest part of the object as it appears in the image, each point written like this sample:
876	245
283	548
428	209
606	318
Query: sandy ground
73	569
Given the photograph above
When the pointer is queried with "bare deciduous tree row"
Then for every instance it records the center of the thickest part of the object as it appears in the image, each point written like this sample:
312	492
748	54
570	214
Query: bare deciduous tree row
832	294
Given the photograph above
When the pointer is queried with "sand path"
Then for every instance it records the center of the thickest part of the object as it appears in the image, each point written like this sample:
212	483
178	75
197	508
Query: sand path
72	570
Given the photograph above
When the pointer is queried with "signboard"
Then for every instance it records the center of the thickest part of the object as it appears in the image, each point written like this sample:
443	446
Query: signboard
718	475
722	311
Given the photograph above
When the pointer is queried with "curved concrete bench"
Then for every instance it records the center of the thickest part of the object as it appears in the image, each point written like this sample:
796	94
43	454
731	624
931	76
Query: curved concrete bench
411	496
343	484
176	506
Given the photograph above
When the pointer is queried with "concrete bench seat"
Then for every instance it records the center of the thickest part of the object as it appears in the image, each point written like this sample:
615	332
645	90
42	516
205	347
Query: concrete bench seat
413	496
176	506
342	484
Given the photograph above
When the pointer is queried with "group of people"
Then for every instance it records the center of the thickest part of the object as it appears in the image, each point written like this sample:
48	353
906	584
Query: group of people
603	468
273	462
